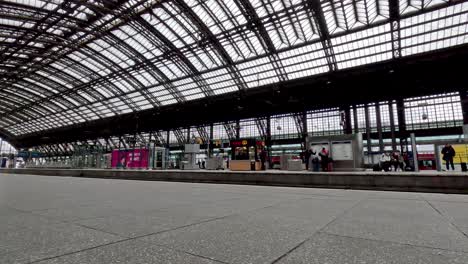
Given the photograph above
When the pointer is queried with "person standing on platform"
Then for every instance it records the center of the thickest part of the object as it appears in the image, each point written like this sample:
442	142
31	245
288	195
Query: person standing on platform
315	160
263	158
447	154
385	161
307	155
324	159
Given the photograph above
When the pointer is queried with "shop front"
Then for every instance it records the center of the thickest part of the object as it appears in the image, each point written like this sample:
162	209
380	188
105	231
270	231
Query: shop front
247	155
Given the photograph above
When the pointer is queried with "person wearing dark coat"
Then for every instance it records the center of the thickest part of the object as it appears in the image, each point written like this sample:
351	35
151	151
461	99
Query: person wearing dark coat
307	155
324	159
447	154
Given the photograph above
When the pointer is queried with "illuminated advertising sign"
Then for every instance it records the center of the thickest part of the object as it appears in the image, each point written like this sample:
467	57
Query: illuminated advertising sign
129	158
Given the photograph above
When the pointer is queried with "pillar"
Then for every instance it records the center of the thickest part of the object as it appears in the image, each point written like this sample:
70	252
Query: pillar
347	127
304	129
392	125
368	131
464	105
402	123
356	123
168	134
379	126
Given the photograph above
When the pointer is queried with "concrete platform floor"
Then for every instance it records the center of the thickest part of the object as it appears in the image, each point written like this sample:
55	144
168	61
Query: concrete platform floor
68	220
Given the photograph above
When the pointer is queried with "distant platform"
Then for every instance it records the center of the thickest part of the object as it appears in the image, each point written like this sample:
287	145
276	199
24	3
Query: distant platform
444	182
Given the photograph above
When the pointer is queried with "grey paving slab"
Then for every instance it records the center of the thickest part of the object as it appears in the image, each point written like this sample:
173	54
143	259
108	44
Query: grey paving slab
311	209
461	198
129	252
255	237
22	219
394	195
29	244
456	212
403	221
331	249
236	240
133	225
74	213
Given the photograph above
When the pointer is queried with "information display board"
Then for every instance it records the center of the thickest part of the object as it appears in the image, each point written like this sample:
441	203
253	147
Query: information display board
342	150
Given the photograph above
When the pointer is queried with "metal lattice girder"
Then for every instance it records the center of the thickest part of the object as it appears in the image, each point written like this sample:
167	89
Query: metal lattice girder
209	37
180	136
204	135
262	126
160	138
299	119
395	27
319	18
231	130
256	24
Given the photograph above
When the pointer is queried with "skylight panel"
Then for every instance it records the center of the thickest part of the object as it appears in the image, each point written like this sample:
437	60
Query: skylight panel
258	72
242	45
435	30
75	74
304	61
363	47
205	58
86	96
40	85
220	81
407	7
158	93
213	17
170	70
54	78
194	96
123	85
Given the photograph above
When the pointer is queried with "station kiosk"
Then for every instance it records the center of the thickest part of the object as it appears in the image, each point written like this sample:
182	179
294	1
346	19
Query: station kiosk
246	154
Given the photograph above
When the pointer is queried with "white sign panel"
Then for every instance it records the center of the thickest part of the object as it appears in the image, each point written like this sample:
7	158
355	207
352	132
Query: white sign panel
342	151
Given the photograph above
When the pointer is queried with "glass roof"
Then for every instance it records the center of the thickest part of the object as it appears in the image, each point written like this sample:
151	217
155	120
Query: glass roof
65	62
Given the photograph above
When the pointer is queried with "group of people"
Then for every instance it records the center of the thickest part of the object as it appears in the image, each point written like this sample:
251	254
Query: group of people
389	160
396	160
316	159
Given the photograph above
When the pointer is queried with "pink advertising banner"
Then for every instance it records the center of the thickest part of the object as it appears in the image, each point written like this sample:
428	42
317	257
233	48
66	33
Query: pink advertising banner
128	158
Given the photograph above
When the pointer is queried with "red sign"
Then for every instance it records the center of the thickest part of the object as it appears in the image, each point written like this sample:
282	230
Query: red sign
137	158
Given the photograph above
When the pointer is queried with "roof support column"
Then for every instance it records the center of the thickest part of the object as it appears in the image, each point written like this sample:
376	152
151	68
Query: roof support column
379	126
356	123
401	117
464	105
346	119
368	131
304	129
392	124
167	138
403	134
